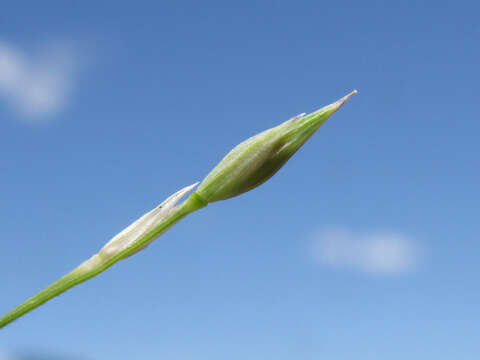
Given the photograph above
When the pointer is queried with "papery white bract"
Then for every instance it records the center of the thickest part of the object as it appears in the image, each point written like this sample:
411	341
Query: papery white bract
137	229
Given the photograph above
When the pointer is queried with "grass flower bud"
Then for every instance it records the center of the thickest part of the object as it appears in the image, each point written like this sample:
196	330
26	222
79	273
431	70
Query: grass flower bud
258	158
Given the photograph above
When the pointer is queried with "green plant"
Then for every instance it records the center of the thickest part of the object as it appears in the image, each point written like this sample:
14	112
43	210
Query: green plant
247	166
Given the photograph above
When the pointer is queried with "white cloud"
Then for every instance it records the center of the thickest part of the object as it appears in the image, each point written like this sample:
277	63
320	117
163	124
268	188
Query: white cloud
36	85
373	252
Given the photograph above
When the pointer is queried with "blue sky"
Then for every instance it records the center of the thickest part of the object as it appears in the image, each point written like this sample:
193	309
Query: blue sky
364	246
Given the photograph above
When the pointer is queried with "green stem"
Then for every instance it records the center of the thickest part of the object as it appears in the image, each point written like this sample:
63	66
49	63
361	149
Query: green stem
97	264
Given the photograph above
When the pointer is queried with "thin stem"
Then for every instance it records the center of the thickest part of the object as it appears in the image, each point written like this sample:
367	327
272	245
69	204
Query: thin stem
97	264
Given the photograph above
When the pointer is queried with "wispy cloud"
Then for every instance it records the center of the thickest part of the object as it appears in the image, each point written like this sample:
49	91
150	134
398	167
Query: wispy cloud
37	84
372	252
